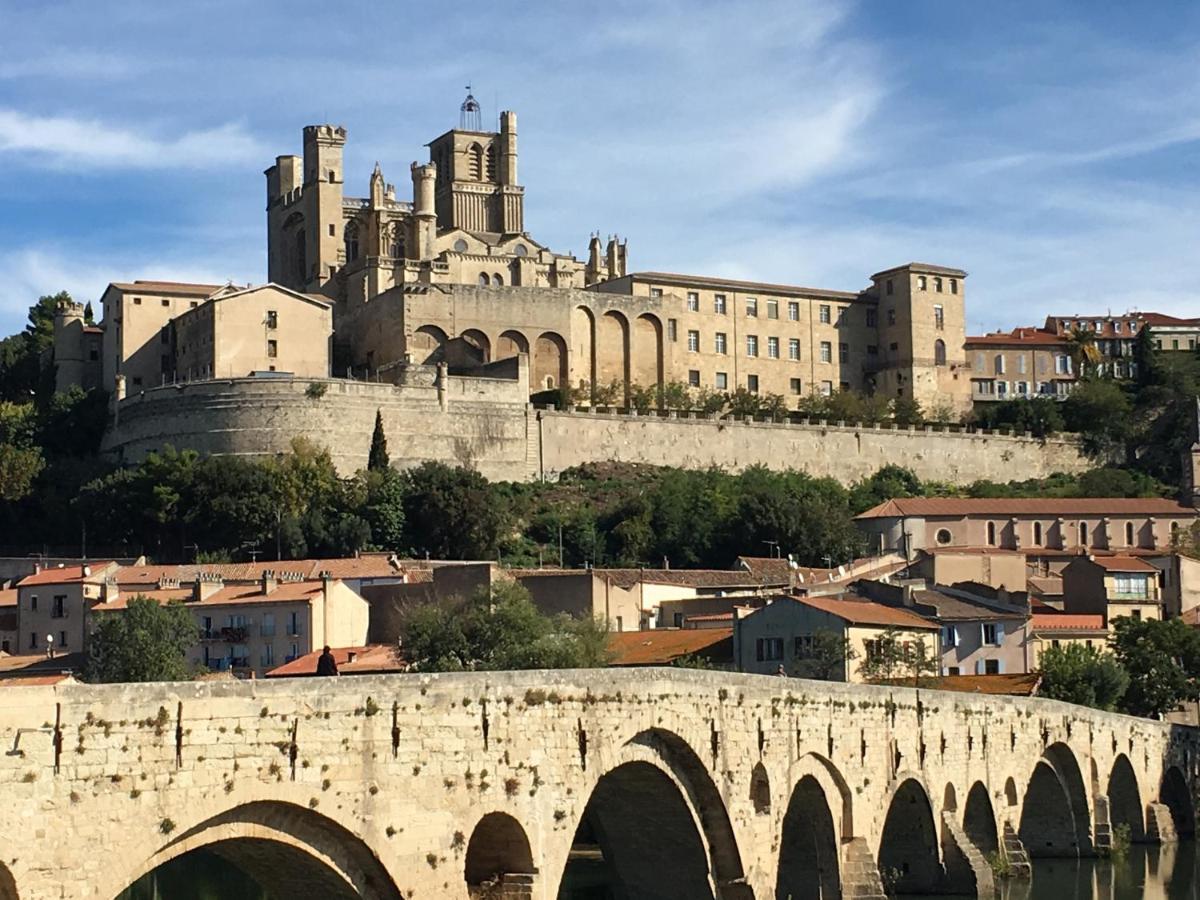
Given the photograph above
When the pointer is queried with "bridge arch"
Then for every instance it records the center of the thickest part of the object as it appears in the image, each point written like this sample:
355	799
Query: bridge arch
480	342
583	347
657	801
1125	805
760	789
808	847
1055	815
1174	793
498	850
909	857
8	884
979	819
291	850
511	343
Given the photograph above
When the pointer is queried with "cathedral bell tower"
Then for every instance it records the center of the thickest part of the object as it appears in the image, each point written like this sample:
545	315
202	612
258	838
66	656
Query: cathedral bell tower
476	187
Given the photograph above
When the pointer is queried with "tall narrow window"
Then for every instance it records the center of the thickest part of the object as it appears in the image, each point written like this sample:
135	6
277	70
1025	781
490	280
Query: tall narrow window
272	349
475	162
1083	534
1128	534
939	317
1037	534
491	163
719	304
939	352
991	534
484	280
351	242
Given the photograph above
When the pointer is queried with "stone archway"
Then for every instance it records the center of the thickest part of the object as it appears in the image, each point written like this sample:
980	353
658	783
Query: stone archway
646	355
612	352
1174	794
808	848
1125	805
583	347
1055	818
660	804
979	819
549	363
499	861
511	343
427	345
479	341
909	858
289	850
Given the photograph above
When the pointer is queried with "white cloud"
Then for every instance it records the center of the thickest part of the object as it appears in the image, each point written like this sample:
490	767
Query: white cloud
64	140
32	272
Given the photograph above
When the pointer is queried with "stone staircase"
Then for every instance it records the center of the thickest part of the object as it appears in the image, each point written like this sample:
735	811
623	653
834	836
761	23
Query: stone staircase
860	871
967	872
1160	825
1018	857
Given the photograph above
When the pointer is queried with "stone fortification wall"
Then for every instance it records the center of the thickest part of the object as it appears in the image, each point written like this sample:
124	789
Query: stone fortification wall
478	422
485	423
844	452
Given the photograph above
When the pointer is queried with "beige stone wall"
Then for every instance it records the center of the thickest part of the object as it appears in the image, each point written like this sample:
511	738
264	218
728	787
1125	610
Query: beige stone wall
846	453
133	329
379	783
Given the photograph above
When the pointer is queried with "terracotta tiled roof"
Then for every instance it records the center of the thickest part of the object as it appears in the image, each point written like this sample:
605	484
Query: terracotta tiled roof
960	609
372	659
8	598
731	284
1028	506
285	591
1041	621
865	612
712	578
1123	564
662	646
66	574
1153	318
167	287
711	617
1018	337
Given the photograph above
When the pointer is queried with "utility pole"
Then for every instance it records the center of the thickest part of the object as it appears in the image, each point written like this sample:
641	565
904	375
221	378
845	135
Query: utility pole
560	546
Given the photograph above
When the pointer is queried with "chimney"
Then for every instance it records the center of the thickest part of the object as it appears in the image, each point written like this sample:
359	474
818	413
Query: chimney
269	581
351	656
908	594
108	590
205	585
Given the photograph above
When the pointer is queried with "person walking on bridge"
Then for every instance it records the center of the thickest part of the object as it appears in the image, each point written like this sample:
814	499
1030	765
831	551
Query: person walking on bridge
326	664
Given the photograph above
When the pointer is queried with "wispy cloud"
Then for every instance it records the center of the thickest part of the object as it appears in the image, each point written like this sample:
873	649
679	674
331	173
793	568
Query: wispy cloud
64	140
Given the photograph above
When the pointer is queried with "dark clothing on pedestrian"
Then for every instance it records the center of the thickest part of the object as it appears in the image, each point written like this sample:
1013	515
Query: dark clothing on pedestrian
326	664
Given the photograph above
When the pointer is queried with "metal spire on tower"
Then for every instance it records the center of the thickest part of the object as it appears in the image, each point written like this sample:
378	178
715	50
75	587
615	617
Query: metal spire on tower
469	118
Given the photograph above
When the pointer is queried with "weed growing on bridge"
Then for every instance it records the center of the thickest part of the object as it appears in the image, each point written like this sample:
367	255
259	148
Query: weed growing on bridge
432	859
372	708
326	784
29	777
390	831
535	697
166	826
511	786
1122	837
459	840
135	793
1001	866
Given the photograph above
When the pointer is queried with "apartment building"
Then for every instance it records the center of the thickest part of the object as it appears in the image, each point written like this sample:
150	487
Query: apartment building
1020	364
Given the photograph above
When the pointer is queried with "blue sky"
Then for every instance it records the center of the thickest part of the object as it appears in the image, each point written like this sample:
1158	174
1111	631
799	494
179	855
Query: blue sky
1050	149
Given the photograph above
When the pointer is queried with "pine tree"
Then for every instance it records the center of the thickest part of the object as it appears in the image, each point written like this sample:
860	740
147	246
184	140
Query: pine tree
378	460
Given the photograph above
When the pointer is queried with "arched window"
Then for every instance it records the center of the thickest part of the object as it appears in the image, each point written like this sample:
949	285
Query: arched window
397	250
1128	534
475	162
1083	534
939	352
484	281
491	162
332	176
497	280
991	534
351	242
1037	534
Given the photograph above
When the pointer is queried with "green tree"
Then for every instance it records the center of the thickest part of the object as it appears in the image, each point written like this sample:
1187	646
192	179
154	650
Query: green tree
889	483
145	642
452	513
500	629
906	412
1148	368
1082	675
21	372
1040	416
826	657
384	508
1082	348
885	657
1100	412
1163	662
377	459
919	660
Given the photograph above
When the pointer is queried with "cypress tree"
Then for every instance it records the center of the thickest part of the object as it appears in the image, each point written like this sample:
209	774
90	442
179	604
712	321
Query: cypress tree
377	460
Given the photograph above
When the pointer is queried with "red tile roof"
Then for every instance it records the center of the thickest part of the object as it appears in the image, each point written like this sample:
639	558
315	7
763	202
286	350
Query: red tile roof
1018	337
67	574
372	659
285	591
865	612
167	287
1123	564
8	598
1044	621
1019	684
1028	506
1153	318
662	646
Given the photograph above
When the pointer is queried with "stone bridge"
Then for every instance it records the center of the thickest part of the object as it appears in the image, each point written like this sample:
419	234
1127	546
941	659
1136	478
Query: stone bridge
653	783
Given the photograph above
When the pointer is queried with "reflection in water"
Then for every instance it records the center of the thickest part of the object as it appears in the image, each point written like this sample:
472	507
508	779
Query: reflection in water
1151	872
